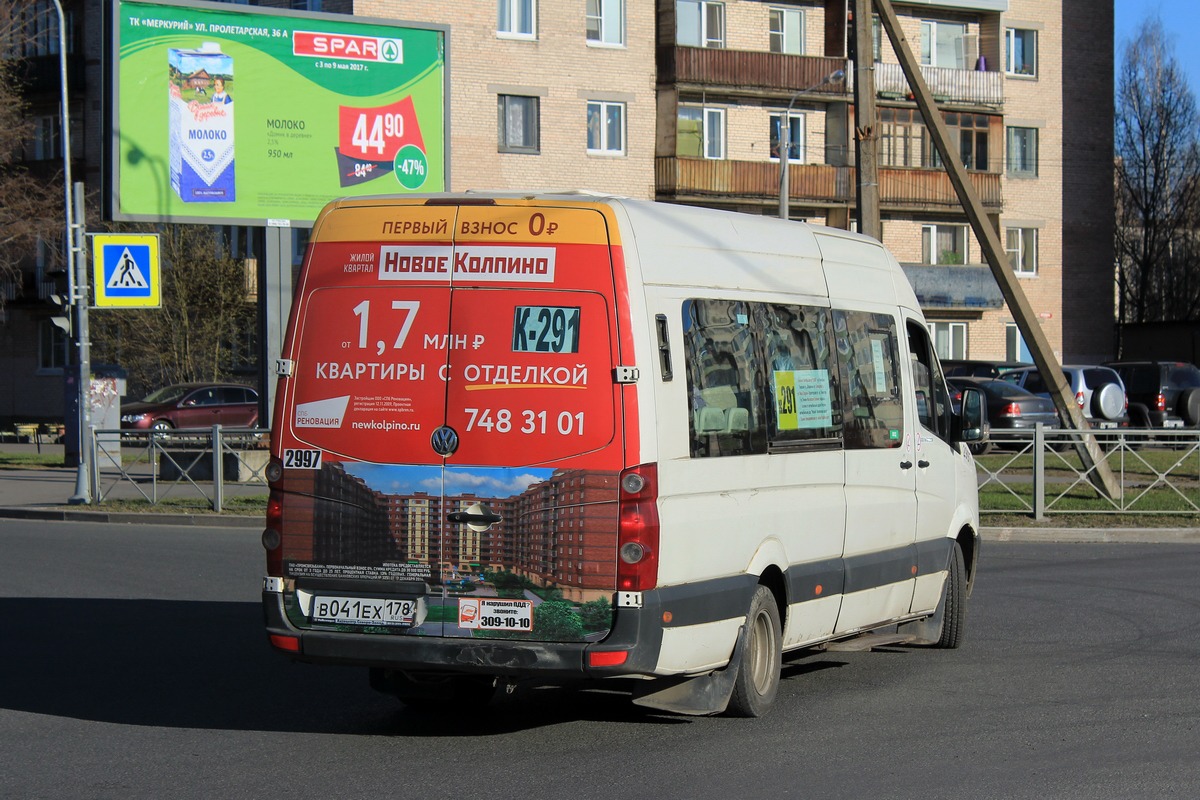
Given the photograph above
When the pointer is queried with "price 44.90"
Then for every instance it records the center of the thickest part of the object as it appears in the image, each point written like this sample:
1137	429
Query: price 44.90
503	420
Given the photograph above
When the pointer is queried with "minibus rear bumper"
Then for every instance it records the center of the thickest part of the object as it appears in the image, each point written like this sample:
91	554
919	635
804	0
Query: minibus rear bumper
630	634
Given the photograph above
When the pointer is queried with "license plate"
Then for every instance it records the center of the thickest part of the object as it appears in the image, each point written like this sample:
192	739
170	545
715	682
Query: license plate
1105	425
481	613
1173	423
363	611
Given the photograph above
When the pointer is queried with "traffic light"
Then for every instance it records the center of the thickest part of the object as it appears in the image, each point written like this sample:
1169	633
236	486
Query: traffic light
63	319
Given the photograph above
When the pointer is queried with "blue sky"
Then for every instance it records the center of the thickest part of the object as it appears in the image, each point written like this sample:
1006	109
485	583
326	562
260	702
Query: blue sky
1178	16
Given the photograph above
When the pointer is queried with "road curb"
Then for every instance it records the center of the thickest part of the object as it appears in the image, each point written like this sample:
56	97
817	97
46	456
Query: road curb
73	515
1085	535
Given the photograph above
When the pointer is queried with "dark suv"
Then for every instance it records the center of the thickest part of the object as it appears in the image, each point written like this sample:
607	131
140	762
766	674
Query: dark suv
1162	394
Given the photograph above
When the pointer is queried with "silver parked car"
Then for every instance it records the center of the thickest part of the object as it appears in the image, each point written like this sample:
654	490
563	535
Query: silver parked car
1098	391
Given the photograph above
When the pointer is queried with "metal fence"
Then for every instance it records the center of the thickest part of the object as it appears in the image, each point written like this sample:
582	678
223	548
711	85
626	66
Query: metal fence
1039	472
1036	472
155	465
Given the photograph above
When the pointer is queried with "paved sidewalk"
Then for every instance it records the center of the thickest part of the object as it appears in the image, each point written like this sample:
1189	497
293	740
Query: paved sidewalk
44	493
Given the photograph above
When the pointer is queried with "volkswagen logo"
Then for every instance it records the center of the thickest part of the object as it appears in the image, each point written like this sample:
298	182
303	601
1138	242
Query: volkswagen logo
444	441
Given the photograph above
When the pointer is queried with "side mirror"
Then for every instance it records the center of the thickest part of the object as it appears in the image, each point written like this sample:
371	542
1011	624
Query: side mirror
972	419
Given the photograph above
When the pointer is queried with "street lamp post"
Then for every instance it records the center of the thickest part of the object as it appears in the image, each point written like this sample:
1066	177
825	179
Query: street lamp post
785	144
76	283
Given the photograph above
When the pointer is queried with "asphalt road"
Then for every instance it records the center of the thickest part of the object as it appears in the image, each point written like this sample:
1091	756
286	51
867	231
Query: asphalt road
133	665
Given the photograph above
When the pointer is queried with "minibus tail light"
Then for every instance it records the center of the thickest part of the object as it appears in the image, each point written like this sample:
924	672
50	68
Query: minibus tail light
607	658
289	643
272	538
637	536
1160	402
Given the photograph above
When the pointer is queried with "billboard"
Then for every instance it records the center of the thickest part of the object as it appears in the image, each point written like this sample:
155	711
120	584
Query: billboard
231	116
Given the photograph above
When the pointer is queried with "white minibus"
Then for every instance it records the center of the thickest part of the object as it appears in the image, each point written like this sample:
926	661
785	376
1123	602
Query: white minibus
547	437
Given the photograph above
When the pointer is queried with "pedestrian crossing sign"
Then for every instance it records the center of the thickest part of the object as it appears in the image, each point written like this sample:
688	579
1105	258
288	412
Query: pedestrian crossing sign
125	270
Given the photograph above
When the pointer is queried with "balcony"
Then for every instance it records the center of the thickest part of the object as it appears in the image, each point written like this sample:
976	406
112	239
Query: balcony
967	287
702	180
955	86
751	71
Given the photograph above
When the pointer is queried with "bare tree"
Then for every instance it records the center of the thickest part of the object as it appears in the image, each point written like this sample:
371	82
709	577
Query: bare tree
1158	183
31	208
205	328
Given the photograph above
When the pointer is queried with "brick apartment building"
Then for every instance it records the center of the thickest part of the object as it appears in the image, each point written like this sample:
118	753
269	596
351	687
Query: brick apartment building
558	532
683	101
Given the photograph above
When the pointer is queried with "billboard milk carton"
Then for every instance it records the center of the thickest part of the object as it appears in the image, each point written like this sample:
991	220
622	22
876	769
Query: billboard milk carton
201	124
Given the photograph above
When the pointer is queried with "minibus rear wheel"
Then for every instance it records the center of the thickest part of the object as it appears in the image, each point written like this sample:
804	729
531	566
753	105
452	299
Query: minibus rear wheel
758	673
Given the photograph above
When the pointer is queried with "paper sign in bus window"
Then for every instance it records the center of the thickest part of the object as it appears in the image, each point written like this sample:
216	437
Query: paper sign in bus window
878	362
802	399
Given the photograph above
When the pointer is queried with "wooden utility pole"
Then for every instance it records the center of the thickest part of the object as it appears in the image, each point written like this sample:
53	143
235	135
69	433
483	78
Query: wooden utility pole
1094	462
866	128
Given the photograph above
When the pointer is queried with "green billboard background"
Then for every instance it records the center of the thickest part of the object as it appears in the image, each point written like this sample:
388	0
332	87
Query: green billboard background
359	110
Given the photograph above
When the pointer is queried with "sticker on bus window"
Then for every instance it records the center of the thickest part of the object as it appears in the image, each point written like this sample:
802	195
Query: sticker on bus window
880	370
802	399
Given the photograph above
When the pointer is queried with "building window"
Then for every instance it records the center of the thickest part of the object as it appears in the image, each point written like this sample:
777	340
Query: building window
45	138
52	346
515	18
38	23
1021	244
795	137
699	23
700	133
517	124
1020	52
943	244
972	139
1015	348
606	21
943	44
904	140
949	339
902	137
606	128
1022	152
787	31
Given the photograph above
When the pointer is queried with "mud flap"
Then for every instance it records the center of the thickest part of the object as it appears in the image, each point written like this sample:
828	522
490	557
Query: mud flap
701	696
926	631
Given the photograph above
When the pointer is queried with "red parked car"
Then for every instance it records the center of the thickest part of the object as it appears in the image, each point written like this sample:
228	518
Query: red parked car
193	405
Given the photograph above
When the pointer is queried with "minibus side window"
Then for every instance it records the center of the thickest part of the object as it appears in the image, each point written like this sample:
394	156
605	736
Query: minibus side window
867	348
725	414
933	401
801	380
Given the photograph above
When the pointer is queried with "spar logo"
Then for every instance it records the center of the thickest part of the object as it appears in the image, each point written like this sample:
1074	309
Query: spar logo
347	48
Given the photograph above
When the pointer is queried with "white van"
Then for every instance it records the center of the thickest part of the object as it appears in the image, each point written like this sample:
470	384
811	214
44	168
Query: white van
546	437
